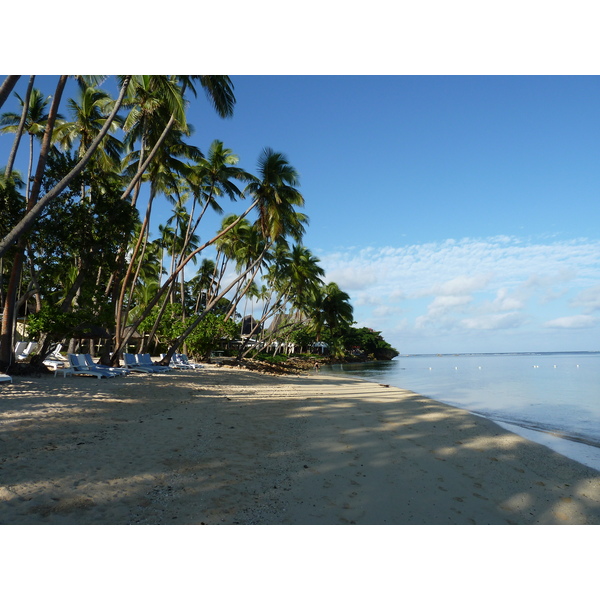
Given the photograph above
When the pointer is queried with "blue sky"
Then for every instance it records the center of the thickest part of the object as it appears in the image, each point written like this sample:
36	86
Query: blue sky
459	212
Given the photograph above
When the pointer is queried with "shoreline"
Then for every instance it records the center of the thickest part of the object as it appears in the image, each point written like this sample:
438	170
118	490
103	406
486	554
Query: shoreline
230	446
579	449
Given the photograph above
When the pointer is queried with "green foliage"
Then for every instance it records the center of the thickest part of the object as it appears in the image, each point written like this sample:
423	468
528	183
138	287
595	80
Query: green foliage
302	336
58	324
208	334
274	360
369	342
12	202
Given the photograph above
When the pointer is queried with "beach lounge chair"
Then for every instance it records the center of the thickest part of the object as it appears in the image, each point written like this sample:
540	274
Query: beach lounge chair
29	348
144	360
89	361
175	363
132	365
78	367
55	359
183	359
19	348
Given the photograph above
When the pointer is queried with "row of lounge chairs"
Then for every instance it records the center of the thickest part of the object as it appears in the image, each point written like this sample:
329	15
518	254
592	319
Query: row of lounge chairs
83	364
55	359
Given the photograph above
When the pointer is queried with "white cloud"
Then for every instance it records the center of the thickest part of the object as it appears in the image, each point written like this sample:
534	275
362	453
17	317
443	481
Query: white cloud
502	285
588	299
459	286
505	301
498	321
572	322
351	279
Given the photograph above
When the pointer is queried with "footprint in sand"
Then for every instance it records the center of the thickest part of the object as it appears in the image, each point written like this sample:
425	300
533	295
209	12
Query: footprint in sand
479	496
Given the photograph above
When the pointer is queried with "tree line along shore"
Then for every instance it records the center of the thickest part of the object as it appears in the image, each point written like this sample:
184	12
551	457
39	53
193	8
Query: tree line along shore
90	161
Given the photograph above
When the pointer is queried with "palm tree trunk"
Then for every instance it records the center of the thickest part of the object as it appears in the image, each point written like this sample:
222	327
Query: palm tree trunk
7	87
120	321
8	318
177	343
8	315
119	347
19	134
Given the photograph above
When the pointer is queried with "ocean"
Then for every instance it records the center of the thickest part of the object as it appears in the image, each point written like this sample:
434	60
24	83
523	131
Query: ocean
552	398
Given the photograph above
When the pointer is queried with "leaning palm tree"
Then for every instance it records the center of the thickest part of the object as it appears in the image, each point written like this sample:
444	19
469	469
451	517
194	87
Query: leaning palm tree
295	278
275	196
36	118
331	310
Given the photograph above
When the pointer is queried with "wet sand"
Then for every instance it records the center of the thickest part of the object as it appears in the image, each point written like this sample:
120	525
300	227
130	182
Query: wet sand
228	446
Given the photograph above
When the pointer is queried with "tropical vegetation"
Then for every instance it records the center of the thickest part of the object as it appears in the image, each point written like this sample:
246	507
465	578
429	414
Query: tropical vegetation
79	264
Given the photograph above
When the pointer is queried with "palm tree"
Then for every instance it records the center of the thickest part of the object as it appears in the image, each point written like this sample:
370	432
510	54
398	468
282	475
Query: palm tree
90	113
295	277
213	176
36	206
203	284
219	90
20	128
275	196
164	175
332	309
36	118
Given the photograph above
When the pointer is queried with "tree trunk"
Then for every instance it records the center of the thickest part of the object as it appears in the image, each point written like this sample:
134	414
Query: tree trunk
203	314
119	347
7	356
7	87
19	134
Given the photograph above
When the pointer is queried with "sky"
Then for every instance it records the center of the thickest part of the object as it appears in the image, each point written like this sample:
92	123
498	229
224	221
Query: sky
455	199
459	212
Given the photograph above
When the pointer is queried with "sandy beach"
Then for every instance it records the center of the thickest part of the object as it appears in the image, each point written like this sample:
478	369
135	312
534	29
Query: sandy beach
227	446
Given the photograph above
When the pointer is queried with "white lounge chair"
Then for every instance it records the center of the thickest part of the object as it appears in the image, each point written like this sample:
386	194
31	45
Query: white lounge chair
29	348
175	363
144	360
5	378
55	359
89	361
183	359
80	368
20	347
132	365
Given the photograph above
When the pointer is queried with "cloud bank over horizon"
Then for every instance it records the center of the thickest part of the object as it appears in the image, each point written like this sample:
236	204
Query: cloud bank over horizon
495	294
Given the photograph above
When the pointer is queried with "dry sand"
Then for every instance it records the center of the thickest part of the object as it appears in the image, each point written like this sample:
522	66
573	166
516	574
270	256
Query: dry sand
227	446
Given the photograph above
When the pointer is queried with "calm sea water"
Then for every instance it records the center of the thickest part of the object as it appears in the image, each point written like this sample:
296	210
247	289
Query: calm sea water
551	398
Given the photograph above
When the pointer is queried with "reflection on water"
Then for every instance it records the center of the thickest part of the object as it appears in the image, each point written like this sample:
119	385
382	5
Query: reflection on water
550	392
